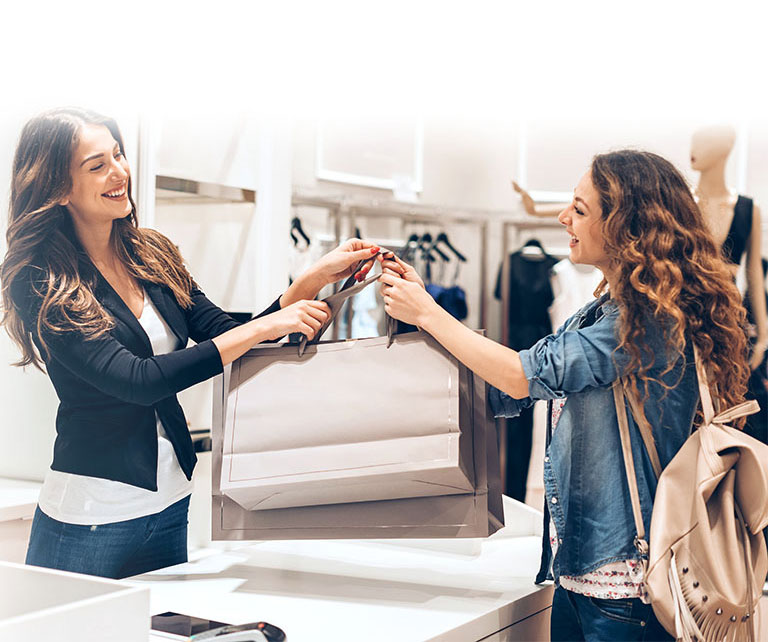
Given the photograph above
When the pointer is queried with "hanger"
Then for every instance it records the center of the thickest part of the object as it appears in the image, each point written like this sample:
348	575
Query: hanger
296	227
443	238
431	245
533	249
423	244
409	249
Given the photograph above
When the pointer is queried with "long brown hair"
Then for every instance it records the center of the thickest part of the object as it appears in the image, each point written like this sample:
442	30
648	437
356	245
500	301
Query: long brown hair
41	235
668	266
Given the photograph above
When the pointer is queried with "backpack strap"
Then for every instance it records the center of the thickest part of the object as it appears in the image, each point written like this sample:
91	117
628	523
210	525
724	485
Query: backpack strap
748	407
645	428
620	390
641	544
704	393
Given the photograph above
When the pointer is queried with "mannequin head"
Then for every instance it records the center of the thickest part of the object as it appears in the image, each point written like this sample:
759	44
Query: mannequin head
711	146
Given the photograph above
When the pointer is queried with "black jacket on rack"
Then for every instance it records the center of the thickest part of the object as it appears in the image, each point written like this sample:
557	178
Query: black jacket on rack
529	298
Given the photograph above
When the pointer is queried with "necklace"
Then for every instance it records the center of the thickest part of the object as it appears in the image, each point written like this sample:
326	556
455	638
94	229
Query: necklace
705	201
717	213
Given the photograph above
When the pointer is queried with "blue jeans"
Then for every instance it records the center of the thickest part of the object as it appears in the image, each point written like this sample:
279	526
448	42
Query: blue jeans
580	618
116	550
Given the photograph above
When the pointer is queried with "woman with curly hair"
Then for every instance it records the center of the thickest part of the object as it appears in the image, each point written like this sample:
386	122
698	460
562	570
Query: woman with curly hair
665	289
108	308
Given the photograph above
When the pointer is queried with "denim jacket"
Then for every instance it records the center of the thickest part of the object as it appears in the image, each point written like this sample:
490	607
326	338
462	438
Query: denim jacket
584	478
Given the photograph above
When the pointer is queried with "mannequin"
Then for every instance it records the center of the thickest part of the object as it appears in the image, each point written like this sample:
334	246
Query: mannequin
531	208
710	148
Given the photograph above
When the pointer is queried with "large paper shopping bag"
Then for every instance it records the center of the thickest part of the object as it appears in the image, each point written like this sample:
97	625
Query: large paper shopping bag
353	441
348	421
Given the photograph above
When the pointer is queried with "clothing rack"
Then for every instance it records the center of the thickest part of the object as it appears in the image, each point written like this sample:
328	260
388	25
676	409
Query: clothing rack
354	207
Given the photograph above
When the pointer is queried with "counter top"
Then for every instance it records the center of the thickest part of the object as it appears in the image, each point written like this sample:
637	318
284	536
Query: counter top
355	590
18	498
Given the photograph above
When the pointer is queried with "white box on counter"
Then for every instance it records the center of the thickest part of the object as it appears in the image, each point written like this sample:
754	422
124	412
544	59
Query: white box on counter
45	604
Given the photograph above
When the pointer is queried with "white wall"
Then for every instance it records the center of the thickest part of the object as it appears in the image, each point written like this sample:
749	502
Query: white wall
467	164
236	252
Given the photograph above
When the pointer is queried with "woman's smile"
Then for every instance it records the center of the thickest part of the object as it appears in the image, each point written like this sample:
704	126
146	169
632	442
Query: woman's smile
117	194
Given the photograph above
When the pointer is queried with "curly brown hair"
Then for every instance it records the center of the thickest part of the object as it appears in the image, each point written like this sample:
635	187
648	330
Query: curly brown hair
41	237
667	265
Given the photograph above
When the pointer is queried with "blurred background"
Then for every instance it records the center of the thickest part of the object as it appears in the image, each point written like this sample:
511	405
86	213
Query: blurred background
262	134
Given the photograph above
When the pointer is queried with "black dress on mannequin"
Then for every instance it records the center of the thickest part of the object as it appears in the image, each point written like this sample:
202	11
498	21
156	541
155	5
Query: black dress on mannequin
734	246
757	424
530	296
738	234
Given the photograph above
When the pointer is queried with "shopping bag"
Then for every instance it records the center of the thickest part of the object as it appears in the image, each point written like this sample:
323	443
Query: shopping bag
348	421
469	505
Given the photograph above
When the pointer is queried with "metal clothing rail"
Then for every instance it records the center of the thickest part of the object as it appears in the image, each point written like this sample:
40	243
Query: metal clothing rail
352	207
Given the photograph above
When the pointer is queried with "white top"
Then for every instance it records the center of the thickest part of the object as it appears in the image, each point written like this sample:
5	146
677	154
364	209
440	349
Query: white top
79	499
573	287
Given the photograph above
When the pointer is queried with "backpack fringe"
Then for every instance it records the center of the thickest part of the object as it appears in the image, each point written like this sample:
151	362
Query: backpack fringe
695	623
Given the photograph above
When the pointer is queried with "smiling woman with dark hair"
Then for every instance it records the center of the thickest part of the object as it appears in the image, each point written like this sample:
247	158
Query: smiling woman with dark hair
665	290
108	307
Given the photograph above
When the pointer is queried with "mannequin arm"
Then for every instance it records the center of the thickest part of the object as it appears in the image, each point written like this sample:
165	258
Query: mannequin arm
756	287
533	209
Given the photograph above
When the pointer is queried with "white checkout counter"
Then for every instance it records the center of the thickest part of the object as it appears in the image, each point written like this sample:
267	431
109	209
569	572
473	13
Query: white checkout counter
339	590
17	508
372	590
343	590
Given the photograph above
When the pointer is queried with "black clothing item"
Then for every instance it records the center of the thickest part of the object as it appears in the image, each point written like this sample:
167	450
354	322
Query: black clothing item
519	445
530	295
545	562
110	387
452	299
738	234
757	424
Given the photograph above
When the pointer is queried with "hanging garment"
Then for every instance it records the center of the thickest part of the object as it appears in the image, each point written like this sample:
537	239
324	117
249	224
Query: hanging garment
757	387
530	296
454	300
363	324
573	287
738	234
300	257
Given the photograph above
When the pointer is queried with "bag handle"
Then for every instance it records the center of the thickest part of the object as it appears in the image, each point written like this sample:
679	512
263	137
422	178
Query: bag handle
335	302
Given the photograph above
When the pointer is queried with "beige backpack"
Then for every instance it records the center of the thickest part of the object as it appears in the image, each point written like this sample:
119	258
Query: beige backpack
705	568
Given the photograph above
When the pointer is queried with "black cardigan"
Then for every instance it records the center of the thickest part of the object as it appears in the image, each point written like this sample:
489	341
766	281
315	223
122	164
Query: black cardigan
109	388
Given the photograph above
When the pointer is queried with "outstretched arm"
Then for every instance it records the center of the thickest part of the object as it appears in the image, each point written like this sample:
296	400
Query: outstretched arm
406	299
756	288
531	208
